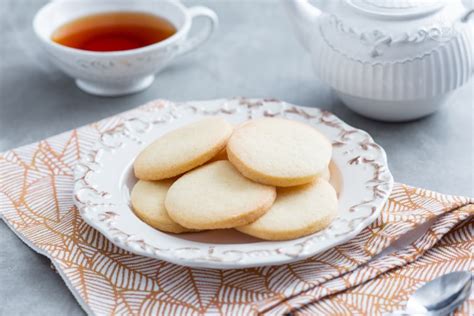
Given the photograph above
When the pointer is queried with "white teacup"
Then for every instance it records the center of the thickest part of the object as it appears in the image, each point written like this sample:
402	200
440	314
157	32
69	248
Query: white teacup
119	72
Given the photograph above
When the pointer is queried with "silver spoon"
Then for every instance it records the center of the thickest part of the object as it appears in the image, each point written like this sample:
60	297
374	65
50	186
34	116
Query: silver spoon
440	296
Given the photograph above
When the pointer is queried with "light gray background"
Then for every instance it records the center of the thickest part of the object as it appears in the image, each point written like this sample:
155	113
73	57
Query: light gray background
253	54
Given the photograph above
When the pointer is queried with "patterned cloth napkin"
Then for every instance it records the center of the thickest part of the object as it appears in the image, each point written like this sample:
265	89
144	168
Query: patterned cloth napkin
359	277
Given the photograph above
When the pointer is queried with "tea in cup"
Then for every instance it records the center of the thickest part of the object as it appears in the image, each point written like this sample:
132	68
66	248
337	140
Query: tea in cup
115	47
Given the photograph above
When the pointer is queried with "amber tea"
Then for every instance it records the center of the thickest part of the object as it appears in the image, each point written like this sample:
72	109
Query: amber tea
115	31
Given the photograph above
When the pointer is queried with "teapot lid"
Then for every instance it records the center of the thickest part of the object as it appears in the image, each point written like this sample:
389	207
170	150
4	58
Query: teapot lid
396	8
389	30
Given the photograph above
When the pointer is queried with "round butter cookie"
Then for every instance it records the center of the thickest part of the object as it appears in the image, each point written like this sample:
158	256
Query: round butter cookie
222	155
297	212
217	196
183	149
148	202
279	152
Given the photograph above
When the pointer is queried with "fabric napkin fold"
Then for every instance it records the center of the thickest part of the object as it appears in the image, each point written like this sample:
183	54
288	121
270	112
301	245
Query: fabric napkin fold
359	277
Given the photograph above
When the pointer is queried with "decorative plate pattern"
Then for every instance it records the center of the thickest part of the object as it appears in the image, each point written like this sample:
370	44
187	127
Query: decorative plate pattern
104	177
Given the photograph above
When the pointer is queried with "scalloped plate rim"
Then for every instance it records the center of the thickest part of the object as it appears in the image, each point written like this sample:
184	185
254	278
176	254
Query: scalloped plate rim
134	245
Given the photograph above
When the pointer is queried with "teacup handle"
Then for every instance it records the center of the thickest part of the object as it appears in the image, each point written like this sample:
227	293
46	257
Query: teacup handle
203	35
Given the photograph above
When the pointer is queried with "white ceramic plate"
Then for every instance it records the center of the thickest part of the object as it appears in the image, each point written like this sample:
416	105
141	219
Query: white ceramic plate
104	178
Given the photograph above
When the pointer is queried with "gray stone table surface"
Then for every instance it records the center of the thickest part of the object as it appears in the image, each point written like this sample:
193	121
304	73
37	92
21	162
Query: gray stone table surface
253	54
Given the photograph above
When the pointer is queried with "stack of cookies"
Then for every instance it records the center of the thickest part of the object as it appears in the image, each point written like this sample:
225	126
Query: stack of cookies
267	178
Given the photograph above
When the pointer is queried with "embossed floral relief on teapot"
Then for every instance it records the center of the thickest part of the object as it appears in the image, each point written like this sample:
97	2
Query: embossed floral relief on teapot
391	60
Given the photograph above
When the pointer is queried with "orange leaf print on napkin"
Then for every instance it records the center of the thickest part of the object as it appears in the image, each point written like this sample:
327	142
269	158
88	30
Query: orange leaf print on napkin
36	203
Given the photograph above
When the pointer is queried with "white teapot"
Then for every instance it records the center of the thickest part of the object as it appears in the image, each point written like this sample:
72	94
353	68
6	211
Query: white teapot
391	60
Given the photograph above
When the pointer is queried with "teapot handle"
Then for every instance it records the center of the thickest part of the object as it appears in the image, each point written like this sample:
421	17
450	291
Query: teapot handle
303	16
